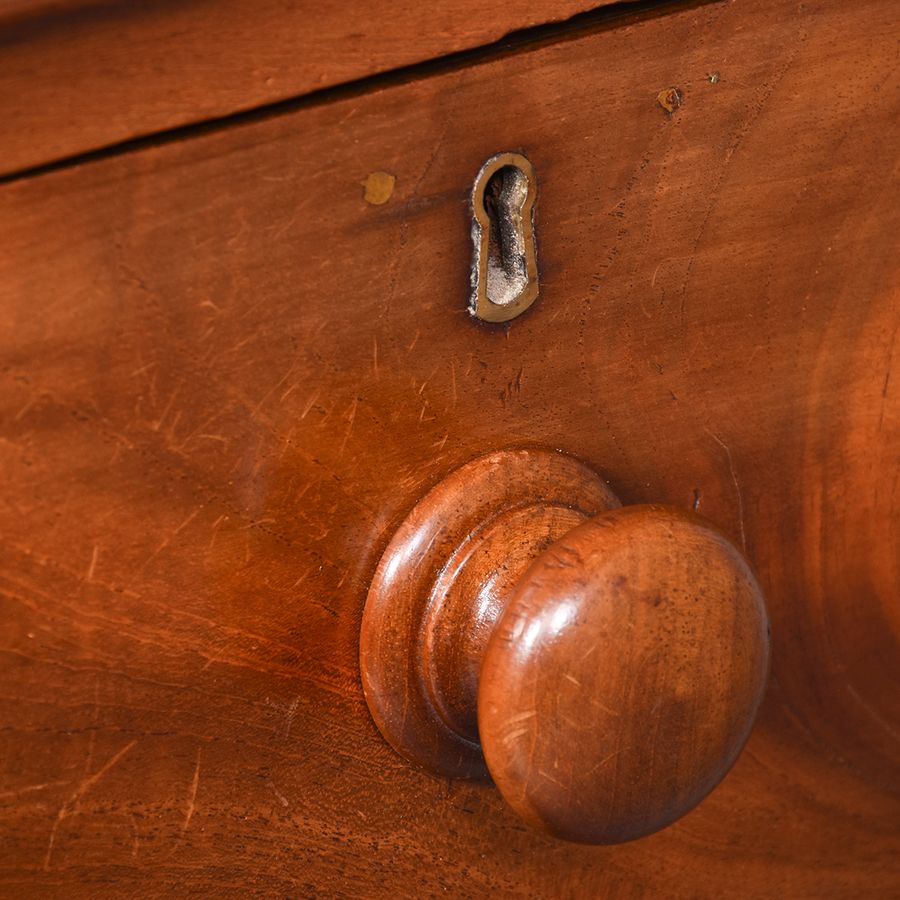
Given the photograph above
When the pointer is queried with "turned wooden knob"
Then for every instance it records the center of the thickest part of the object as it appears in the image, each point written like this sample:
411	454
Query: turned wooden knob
603	664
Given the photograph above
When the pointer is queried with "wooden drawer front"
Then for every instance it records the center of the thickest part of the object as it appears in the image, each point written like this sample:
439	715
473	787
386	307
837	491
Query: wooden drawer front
80	75
227	378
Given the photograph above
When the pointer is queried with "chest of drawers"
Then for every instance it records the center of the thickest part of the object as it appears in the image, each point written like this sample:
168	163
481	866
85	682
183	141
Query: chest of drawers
235	353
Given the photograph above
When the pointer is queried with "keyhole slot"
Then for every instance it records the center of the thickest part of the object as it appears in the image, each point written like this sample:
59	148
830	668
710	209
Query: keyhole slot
504	200
504	266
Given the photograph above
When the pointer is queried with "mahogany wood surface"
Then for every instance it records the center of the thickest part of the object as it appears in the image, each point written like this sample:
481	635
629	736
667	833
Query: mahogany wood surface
78	75
227	378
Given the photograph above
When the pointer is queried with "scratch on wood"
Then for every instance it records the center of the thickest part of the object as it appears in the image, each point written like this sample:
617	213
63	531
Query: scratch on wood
605	760
608	710
281	798
309	405
18	416
71	804
350	417
30	789
512	736
168	540
565	786
284	731
192	797
142	369
215	530
93	565
428	378
275	387
158	423
882	722
737	487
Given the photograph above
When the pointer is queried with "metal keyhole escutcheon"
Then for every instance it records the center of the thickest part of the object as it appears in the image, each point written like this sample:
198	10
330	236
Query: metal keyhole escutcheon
504	275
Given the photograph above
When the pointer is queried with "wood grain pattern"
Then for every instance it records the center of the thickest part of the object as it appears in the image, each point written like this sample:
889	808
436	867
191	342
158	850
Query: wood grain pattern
219	401
79	75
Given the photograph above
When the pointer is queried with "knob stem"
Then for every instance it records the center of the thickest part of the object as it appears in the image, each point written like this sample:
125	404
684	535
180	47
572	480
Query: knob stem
468	598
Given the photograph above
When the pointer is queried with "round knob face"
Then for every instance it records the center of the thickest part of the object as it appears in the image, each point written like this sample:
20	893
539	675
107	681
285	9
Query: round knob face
624	675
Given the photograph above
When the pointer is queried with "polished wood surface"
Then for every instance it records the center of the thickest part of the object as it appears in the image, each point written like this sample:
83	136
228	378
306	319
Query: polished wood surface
624	676
218	404
615	658
79	75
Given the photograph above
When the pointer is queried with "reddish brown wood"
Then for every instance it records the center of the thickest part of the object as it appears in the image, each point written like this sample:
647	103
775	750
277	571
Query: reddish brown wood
616	663
227	378
78	75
